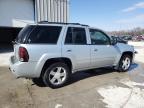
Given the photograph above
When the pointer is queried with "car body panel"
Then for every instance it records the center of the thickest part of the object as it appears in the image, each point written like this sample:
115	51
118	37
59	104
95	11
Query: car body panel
103	55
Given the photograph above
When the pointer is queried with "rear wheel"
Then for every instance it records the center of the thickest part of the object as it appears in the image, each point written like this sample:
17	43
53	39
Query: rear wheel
56	75
125	63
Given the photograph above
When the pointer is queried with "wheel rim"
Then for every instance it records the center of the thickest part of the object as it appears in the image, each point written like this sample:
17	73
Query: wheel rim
126	63
57	75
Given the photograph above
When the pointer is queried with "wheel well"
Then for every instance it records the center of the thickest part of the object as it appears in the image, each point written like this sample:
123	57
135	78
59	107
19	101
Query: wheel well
128	53
55	60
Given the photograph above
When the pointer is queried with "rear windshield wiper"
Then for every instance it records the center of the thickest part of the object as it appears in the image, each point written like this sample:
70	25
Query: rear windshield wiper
14	42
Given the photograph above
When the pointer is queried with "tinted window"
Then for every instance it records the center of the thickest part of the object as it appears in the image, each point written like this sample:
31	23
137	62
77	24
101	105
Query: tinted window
75	36
99	38
24	33
45	34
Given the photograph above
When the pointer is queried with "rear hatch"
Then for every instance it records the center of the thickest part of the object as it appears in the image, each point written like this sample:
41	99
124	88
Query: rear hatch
21	39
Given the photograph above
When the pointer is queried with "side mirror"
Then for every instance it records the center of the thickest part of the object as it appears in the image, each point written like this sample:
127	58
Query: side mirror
113	40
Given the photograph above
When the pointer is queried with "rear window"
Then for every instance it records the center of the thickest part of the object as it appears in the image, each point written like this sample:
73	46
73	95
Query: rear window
76	36
44	35
24	33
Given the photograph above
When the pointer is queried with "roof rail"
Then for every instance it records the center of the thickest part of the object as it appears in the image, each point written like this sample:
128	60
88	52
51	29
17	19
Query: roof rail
46	22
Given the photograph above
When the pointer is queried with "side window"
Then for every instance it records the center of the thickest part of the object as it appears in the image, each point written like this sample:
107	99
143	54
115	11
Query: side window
45	35
98	38
76	36
24	33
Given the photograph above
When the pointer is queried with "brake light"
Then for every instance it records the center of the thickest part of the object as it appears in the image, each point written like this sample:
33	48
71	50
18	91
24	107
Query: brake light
23	54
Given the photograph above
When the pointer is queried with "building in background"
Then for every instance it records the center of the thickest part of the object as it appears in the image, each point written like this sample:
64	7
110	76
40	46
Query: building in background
52	10
15	14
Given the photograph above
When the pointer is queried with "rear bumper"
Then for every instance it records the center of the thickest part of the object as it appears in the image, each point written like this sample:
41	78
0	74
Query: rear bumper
22	69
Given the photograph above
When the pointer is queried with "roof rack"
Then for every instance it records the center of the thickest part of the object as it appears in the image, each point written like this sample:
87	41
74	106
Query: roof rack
46	22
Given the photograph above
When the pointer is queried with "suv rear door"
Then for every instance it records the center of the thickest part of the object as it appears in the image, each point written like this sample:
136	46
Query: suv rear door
102	52
75	47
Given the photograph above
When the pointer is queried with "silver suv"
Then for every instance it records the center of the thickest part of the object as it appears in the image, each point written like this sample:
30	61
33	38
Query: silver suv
53	51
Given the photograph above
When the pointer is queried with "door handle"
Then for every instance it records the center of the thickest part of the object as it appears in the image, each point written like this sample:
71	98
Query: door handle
95	49
69	50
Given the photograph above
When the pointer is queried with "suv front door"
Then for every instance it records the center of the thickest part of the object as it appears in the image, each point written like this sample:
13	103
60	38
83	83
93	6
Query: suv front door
75	47
102	52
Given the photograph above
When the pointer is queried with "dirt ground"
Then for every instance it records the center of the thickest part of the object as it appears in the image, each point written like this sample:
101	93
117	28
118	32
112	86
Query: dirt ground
87	89
81	92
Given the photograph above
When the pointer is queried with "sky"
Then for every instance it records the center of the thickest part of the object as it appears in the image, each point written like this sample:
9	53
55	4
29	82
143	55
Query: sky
108	15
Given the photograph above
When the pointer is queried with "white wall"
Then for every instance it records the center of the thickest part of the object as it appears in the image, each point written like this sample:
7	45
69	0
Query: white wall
16	13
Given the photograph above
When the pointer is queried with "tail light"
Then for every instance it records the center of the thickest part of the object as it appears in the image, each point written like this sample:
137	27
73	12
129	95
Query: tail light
23	54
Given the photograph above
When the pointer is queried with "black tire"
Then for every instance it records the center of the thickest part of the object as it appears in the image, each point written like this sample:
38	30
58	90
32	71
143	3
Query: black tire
46	76
120	67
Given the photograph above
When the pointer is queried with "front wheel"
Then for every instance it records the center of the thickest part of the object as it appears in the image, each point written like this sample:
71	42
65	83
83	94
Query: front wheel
125	63
56	75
